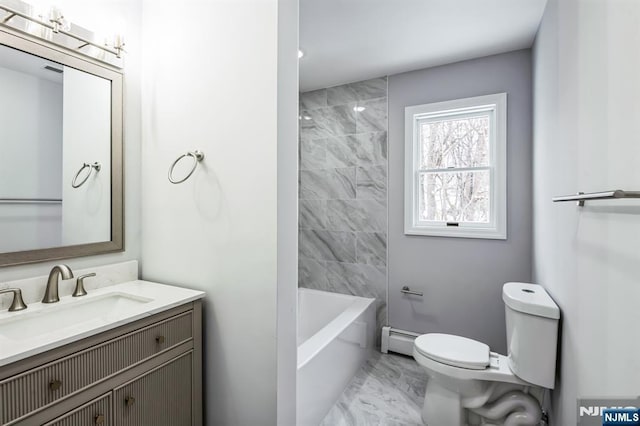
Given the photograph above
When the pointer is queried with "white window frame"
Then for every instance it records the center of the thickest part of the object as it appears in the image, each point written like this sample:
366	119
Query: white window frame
497	227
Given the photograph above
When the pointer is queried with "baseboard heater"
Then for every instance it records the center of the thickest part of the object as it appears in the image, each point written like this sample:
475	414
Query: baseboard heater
396	340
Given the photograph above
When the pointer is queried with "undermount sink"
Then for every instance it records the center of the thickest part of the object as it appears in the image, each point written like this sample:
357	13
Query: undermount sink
69	313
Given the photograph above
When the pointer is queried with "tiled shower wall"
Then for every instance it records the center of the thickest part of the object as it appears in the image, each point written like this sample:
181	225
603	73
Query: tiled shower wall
343	191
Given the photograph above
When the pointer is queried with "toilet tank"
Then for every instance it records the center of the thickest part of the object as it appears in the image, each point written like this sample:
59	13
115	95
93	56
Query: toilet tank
532	332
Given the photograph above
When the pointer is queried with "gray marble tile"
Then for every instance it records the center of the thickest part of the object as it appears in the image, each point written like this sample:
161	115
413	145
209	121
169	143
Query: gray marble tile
371	148
339	120
327	245
371	248
313	154
388	390
374	116
340	95
313	124
335	184
341	151
313	184
341	183
314	99
312	274
360	280
370	89
371	183
356	215
312	214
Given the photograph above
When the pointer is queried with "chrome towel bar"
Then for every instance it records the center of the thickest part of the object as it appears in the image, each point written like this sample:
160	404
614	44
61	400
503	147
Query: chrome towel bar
581	197
407	290
197	156
30	200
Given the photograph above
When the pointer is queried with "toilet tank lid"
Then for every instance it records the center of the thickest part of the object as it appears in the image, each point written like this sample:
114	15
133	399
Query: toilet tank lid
531	299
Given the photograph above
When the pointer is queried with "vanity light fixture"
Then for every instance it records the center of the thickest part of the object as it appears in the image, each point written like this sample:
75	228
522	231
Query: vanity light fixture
56	18
54	28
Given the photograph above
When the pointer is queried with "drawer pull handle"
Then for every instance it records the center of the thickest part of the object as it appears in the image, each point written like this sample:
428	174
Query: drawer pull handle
160	339
54	385
129	401
99	419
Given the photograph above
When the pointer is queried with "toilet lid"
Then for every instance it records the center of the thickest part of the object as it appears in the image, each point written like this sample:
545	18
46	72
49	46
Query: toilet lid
454	350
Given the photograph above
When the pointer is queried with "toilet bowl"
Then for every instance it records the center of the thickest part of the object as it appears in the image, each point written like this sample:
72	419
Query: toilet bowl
469	385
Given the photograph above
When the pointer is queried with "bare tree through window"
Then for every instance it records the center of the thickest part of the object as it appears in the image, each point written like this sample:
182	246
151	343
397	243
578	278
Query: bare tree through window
455	176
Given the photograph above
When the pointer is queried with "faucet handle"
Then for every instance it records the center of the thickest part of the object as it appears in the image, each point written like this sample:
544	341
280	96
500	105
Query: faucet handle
17	304
80	291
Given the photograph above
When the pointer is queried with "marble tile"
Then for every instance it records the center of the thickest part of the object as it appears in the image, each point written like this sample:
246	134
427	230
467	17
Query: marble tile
374	116
314	99
339	120
371	183
312	274
327	245
371	248
335	184
340	95
341	151
313	185
371	148
313	124
341	183
313	154
370	89
359	91
356	215
360	280
312	214
387	390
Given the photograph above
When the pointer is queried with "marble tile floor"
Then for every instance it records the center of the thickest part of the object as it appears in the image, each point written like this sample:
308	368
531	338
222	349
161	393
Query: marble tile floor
387	391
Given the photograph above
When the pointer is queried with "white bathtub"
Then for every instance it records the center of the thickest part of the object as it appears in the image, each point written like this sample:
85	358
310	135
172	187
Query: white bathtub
336	333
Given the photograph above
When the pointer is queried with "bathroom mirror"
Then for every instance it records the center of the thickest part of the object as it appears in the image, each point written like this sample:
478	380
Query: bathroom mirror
60	153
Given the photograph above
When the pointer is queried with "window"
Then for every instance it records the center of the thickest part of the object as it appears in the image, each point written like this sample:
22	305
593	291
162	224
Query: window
455	168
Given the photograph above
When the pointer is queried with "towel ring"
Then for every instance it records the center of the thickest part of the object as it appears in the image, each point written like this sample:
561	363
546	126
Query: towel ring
197	156
95	166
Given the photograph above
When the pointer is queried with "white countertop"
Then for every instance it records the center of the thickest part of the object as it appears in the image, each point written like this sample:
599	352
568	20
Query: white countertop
147	298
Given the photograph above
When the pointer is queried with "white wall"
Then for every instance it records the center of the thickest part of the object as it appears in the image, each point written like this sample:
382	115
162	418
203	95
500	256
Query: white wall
86	135
587	104
211	83
30	160
105	14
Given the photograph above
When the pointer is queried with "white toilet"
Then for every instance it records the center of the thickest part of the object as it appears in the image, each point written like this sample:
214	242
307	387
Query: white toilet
470	385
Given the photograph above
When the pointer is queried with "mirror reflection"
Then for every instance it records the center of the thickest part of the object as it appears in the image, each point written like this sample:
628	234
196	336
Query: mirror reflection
55	154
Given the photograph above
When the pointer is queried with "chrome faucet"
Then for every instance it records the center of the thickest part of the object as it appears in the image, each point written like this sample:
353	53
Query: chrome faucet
51	293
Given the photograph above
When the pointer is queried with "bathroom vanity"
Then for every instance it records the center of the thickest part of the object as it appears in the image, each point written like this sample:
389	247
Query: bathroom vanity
128	354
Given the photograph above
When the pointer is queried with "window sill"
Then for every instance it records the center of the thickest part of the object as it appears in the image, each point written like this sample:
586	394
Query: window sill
457	232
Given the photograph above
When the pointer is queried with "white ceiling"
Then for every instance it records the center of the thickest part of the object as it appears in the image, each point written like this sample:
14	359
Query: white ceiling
351	40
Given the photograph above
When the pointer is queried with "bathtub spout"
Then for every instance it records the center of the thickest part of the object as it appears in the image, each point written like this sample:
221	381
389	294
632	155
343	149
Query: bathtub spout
519	408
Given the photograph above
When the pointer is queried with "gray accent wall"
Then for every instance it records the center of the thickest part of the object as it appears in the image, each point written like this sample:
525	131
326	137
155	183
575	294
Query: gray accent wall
461	278
343	190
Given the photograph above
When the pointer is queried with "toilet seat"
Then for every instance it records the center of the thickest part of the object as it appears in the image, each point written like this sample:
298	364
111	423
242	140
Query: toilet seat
497	370
456	351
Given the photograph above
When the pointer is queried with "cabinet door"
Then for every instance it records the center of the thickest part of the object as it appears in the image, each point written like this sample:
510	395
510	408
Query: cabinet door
161	397
96	412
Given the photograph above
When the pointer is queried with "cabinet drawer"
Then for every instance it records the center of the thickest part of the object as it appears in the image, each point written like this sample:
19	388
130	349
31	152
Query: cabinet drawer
37	388
161	397
96	412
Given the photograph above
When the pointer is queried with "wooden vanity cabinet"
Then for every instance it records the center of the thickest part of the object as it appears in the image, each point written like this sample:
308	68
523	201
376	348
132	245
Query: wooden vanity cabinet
147	372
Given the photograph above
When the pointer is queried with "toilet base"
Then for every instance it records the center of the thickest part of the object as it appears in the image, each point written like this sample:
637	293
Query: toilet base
507	402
